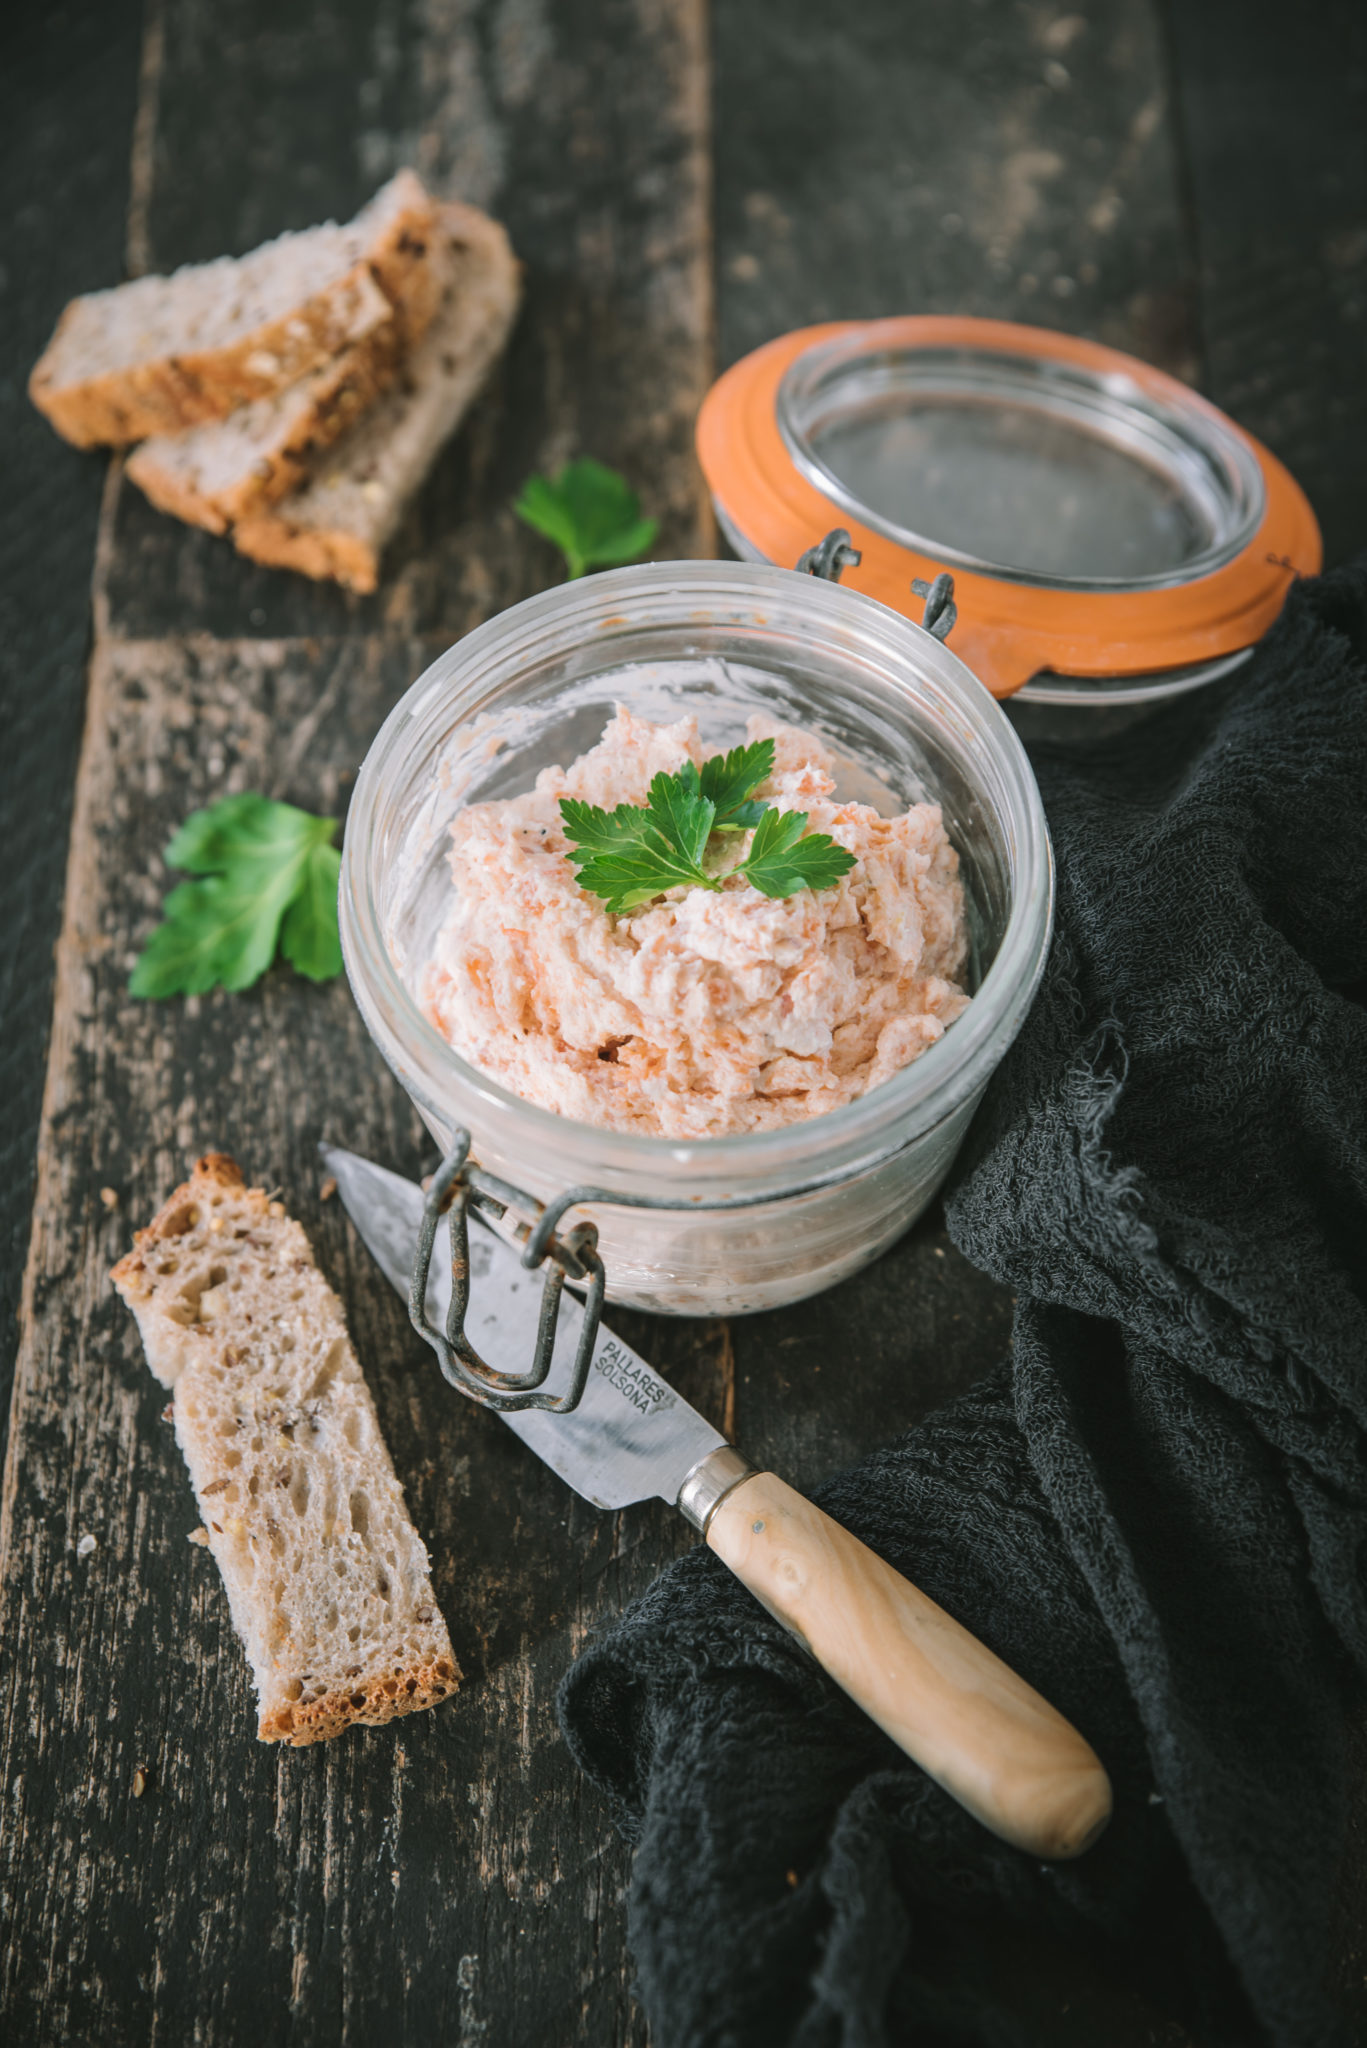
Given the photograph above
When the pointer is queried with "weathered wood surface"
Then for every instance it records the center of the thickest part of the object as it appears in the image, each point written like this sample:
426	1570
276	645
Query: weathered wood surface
1272	111
65	70
451	1879
1012	162
400	1884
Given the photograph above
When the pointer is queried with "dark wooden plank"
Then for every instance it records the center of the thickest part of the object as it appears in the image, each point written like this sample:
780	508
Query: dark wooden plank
991	159
398	1882
1273	122
66	70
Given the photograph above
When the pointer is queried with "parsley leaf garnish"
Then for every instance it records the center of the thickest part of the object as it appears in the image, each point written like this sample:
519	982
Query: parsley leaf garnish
785	857
590	513
728	780
270	877
630	855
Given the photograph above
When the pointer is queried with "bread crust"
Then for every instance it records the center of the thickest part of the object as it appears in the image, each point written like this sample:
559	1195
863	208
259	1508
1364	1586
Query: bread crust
324	533
338	395
173	392
327	554
168	392
212	1169
369	1704
385	1683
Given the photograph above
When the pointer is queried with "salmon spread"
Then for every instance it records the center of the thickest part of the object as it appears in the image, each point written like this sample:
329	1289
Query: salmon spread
705	1013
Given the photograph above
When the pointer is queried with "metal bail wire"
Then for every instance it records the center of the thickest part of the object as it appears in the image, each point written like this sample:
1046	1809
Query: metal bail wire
457	1185
830	557
941	611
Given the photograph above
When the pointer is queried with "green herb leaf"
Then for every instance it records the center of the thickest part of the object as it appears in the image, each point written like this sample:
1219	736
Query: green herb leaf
635	853
782	860
309	938
271	876
636	874
599	831
590	513
681	817
728	780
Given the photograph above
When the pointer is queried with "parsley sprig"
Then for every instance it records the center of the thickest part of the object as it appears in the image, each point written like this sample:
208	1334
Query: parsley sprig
633	854
590	513
269	877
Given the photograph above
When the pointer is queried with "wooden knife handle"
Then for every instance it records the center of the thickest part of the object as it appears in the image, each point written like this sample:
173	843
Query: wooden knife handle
943	1697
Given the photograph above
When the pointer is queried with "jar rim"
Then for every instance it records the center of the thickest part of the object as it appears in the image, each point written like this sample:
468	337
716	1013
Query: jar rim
921	1093
1163	431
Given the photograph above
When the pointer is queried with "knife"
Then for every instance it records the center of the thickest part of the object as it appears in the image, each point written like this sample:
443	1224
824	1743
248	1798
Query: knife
965	1717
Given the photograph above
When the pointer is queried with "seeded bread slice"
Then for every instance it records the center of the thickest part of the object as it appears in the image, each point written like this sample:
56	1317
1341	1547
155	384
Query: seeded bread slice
338	523
225	470
327	1579
163	353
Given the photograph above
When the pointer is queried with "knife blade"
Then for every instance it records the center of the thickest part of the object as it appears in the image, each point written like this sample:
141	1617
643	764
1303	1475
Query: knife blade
944	1697
631	1438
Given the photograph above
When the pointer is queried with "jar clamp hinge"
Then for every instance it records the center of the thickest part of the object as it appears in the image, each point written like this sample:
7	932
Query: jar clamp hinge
456	1187
832	556
459	1185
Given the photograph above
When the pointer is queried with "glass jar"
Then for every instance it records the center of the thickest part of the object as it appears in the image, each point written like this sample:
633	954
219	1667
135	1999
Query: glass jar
765	1218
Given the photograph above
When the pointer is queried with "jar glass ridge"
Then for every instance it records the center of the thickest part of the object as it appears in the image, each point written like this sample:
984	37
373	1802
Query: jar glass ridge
905	719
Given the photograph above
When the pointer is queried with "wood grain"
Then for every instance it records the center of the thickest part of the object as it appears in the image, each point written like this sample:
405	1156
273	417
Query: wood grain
393	1885
1012	162
970	1722
66	69
1273	129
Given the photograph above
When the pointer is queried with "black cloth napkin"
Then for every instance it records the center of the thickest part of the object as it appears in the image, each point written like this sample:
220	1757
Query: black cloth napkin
1156	1510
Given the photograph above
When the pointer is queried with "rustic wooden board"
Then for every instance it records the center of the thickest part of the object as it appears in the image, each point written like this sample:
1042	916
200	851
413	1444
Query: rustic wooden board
398	1882
66	69
1011	162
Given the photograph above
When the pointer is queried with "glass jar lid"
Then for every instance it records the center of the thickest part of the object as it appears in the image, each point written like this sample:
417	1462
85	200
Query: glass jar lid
1112	535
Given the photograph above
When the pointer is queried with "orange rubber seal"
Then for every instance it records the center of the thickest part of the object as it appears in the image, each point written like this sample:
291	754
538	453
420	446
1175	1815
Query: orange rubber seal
1007	632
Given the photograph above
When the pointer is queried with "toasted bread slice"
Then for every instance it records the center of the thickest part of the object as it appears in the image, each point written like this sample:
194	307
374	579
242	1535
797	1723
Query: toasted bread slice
163	353
225	470
327	1579
338	523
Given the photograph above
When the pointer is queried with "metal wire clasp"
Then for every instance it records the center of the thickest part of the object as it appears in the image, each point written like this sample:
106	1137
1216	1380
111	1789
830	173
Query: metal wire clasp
458	1184
830	557
941	611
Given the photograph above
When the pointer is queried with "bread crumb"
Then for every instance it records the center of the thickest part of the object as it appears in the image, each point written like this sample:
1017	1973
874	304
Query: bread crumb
86	1545
142	1778
110	1198
200	1535
168	1413
327	1190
